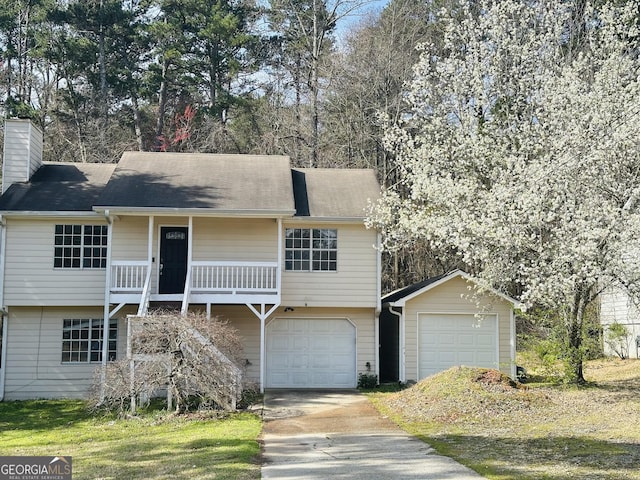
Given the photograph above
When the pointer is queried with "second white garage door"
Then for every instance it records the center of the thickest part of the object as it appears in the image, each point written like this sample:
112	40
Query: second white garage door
311	353
448	340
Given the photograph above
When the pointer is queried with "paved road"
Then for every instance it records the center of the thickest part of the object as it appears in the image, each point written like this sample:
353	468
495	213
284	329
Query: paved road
322	434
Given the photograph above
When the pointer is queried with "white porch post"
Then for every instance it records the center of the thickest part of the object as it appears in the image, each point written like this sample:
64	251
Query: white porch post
279	267
187	283
107	301
150	242
263	314
262	353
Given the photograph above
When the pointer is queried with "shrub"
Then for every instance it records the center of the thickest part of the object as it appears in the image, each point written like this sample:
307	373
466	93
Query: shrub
367	380
617	337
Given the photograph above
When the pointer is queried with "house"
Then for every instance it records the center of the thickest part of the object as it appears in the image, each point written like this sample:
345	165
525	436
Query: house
445	321
280	252
616	306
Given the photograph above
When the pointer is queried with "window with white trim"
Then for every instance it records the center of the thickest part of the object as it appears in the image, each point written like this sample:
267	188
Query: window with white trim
80	246
82	340
311	249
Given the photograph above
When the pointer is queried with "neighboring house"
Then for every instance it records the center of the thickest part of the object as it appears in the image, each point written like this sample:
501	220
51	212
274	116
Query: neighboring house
443	322
280	252
618	307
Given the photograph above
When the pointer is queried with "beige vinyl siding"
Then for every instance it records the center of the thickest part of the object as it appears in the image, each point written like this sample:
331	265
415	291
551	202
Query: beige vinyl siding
248	326
130	238
353	284
30	278
34	351
455	296
246	240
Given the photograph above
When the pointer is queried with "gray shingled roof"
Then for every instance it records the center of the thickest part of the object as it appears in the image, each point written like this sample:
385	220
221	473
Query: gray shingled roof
333	192
188	180
253	184
59	187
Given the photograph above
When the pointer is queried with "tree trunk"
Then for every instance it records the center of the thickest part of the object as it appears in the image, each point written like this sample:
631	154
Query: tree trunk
574	323
162	102
137	121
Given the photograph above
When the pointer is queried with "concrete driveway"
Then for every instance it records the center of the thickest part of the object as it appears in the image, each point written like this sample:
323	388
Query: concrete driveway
338	434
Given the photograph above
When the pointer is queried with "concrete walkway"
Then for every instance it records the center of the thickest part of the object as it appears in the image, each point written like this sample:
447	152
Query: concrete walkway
322	434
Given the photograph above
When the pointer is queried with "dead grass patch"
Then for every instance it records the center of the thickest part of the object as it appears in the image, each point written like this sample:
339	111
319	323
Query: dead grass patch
507	430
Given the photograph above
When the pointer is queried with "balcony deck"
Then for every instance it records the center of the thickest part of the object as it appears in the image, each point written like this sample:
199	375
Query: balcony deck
206	282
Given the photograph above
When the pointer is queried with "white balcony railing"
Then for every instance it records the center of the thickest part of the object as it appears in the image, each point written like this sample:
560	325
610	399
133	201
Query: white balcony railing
246	277
128	276
205	277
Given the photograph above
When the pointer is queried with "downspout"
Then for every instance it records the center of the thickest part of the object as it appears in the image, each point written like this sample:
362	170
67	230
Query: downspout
512	342
378	303
400	316
3	360
5	319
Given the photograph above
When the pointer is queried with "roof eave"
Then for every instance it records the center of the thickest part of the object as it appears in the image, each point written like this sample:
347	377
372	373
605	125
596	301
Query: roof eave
311	218
455	273
202	212
47	214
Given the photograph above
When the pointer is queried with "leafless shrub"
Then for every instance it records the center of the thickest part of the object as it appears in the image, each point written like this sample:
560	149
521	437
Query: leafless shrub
194	360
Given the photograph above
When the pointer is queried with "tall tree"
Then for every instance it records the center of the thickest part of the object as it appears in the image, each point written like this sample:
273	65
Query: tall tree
22	23
520	153
305	30
202	48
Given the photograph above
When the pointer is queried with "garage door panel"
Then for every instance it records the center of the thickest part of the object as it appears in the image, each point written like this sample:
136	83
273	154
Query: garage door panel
447	340
319	353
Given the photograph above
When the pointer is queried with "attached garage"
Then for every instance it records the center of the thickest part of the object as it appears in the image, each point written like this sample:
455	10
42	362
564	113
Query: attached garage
310	353
443	322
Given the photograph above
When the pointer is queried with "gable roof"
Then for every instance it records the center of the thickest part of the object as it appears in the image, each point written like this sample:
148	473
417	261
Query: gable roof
225	183
399	297
59	187
334	193
212	183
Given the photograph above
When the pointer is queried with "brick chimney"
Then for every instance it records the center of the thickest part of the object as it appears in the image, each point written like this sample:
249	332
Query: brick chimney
22	151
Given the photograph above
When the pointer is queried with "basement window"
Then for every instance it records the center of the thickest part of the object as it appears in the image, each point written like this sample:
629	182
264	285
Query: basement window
82	340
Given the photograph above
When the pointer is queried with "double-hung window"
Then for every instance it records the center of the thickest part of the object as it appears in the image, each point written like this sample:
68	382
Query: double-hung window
80	246
311	249
82	340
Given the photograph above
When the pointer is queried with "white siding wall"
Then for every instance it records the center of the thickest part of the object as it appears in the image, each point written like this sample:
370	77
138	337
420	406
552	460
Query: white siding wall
617	307
34	350
354	284
454	296
22	152
30	278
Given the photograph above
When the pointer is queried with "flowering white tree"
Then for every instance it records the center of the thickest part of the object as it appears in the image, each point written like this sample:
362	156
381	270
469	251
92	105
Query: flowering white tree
521	152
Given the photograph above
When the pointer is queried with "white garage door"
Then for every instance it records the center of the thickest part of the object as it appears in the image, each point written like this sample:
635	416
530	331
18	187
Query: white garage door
311	353
448	340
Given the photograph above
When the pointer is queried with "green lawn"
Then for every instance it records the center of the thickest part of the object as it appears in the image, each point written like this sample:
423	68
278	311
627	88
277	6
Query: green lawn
545	431
154	445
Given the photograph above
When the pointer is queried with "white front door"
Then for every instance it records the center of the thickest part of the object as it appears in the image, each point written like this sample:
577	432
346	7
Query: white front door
311	353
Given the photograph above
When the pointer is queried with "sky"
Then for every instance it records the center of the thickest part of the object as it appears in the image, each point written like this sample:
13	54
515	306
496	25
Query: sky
347	23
